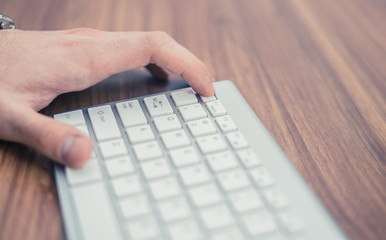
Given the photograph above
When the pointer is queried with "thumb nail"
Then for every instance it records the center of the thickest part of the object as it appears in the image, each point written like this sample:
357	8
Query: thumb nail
73	149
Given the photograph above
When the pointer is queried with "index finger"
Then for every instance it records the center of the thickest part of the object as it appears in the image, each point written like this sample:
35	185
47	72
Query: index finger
113	52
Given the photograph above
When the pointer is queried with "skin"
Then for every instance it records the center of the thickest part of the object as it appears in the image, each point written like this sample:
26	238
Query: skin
37	66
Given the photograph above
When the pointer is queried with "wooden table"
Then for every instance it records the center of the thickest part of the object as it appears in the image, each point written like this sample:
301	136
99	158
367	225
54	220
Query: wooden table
314	72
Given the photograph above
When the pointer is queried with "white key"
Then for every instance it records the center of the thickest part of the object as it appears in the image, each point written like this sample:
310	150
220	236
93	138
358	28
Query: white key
134	206
259	223
140	133
208	99
143	228
131	113
120	165
184	97
167	123
291	222
261	176
147	150
216	108
221	161
205	195
186	230
230	233
173	209
126	185
83	129
192	112
194	174
158	105
184	156
246	200
73	117
155	168
104	123
275	198
164	188
175	139
113	148
217	216
236	140
248	158
90	171
226	124
211	143
201	127
92	200
233	179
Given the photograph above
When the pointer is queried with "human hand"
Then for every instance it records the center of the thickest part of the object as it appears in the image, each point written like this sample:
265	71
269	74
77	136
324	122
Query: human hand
35	67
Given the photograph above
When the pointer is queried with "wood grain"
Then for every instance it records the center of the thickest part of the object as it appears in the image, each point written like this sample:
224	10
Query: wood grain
314	72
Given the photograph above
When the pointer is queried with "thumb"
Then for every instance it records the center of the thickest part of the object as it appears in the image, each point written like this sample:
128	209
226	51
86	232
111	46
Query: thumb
58	141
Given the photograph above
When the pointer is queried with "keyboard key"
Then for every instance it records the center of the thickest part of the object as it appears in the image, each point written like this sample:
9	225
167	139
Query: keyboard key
237	140
245	200
90	171
134	206
140	133
275	198
92	200
291	222
216	217
230	233
158	105
126	185
221	161
187	230
208	99
113	148
192	112
155	168
195	174
212	143
226	124
104	123
72	118
184	97
232	180
205	195
184	156
216	108
261	176
143	228
83	129
148	150
175	139
119	166
248	158
164	188
174	209
260	222
201	127
167	123
131	113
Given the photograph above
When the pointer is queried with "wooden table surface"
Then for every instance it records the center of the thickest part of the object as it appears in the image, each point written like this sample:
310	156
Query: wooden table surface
313	71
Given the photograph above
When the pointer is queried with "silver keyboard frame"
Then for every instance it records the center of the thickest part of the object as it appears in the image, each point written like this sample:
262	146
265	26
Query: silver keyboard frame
318	222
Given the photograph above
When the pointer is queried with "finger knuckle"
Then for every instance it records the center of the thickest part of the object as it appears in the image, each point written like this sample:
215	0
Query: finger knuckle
157	38
84	32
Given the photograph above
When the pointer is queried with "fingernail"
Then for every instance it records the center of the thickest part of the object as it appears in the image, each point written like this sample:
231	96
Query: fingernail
72	150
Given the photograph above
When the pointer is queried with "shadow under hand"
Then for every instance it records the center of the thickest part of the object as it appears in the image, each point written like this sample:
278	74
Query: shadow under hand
120	86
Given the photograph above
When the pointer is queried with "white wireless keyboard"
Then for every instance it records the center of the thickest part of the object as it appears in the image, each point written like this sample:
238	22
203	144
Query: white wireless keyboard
178	166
